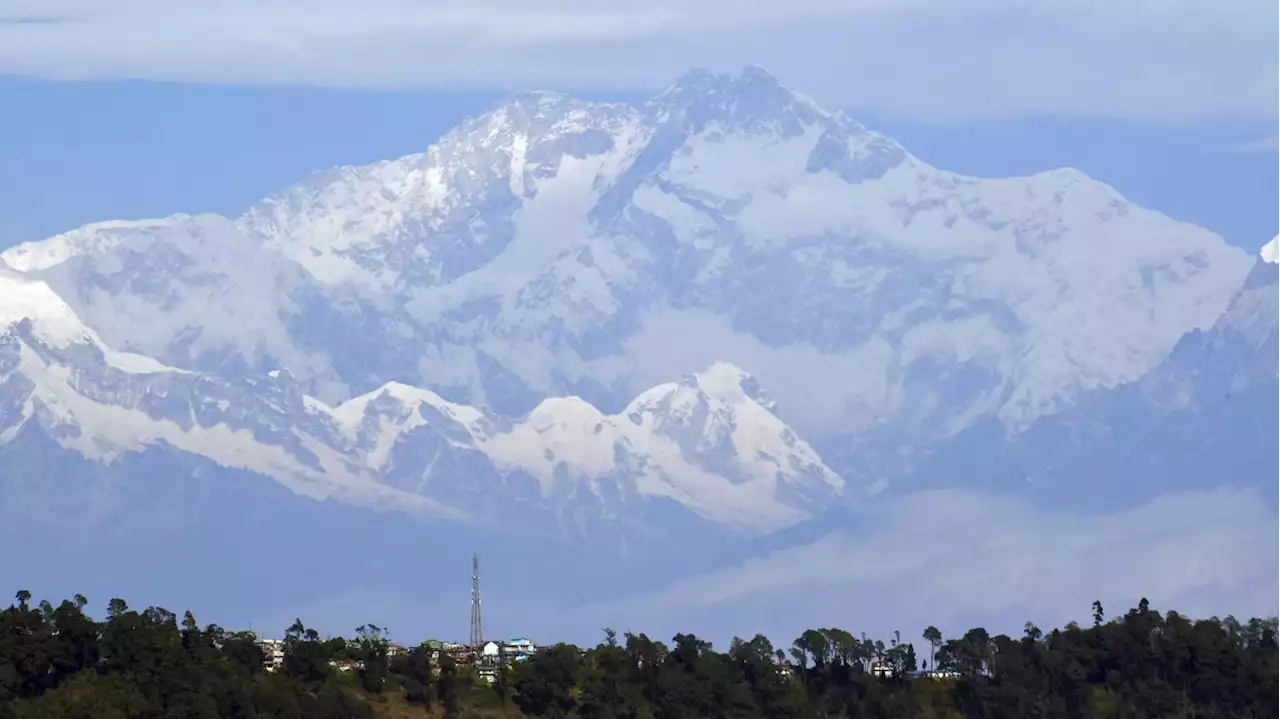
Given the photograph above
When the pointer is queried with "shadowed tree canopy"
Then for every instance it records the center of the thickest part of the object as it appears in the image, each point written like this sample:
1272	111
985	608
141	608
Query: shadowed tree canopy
57	662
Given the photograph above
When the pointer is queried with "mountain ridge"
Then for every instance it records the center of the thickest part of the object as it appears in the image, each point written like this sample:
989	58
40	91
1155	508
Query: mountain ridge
548	247
556	248
678	441
546	336
1204	417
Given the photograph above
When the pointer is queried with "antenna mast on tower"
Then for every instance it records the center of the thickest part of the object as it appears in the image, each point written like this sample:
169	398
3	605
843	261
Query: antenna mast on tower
477	620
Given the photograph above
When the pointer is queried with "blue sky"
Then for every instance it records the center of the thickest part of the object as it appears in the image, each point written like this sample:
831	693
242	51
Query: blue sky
82	151
1174	102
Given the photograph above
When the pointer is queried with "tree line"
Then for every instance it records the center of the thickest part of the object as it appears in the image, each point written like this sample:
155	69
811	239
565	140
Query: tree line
56	662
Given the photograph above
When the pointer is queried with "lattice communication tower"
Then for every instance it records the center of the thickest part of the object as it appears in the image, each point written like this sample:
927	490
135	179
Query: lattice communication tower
477	616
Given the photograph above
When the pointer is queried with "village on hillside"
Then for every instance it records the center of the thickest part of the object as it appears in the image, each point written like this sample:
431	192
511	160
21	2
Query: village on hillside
484	655
487	656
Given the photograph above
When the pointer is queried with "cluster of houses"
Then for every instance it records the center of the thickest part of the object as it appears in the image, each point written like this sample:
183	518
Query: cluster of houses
885	670
486	658
272	654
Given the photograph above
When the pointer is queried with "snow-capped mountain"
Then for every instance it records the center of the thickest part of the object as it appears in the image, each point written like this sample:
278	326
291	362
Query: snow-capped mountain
708	444
1251	317
750	468
1204	417
480	341
558	247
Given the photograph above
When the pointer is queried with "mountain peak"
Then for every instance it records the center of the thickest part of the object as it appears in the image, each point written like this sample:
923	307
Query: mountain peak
704	441
728	382
25	299
752	97
1259	287
692	80
1270	252
722	371
699	79
31	309
550	230
533	110
757	73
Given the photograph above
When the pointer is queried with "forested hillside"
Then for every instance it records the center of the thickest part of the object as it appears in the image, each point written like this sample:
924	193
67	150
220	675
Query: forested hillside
56	662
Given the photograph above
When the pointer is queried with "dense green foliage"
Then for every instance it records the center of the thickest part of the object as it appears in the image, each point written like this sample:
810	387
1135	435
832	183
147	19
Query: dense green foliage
58	663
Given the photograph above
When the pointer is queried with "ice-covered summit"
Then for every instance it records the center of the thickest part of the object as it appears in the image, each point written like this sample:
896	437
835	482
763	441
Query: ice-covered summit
25	299
708	442
1270	252
715	452
753	100
428	219
30	308
559	247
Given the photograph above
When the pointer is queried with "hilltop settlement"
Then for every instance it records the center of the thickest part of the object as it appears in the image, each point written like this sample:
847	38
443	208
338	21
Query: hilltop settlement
56	662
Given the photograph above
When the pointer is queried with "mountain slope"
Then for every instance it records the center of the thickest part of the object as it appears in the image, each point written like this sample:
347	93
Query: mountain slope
1205	417
59	377
558	247
708	445
750	465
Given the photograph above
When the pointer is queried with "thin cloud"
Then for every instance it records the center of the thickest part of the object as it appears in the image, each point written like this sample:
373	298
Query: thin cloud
959	559
1248	147
921	58
31	20
951	558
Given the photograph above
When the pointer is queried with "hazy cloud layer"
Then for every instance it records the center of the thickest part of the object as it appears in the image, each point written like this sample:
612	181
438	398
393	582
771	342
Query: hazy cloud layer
957	558
951	558
921	58
1262	144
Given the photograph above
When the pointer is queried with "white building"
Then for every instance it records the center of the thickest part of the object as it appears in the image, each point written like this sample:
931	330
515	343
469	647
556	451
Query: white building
519	649
512	650
272	653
